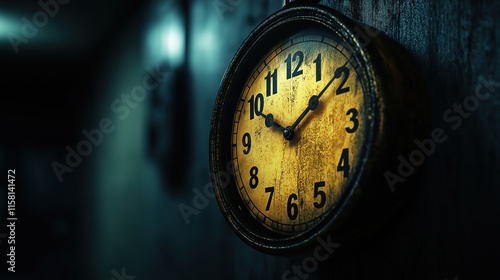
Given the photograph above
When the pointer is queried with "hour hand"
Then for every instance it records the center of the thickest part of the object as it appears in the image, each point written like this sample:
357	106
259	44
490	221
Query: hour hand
269	118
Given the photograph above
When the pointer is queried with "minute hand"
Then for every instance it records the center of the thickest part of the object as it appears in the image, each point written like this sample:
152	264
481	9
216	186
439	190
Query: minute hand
313	104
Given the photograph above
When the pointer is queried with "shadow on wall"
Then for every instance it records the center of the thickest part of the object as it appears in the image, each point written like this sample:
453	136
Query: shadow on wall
157	158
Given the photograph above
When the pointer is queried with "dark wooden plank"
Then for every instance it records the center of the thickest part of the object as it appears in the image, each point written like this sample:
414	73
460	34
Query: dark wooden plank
449	228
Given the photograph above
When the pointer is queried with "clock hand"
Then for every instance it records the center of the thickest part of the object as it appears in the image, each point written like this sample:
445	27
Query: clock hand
271	122
311	106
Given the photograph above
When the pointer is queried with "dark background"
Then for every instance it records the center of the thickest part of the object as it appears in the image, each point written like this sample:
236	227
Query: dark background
118	209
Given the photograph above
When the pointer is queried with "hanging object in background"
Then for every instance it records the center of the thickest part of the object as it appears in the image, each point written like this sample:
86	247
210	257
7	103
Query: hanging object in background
169	129
169	126
310	116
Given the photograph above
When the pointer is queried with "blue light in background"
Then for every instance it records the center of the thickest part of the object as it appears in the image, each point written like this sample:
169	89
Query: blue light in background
7	25
206	37
173	41
165	40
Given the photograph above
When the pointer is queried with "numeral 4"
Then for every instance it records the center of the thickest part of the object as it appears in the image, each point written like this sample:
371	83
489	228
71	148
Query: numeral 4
343	165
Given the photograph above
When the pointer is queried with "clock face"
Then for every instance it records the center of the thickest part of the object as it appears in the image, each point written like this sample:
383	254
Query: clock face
309	117
297	131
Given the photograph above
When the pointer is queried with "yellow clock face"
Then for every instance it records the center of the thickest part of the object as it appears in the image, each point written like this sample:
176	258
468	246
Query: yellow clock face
309	117
298	131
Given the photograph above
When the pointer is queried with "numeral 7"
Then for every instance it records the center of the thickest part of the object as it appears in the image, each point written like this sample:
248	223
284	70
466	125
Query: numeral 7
271	191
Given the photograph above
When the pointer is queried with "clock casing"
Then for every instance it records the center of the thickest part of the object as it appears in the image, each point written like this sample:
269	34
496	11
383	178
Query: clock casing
306	147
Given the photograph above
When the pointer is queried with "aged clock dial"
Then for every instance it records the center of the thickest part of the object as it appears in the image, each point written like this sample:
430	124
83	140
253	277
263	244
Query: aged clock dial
307	119
298	130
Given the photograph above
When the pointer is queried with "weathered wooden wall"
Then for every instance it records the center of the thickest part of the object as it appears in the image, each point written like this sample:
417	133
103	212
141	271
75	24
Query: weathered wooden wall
450	227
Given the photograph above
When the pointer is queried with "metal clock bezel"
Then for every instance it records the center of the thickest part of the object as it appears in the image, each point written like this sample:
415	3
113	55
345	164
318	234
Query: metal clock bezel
378	88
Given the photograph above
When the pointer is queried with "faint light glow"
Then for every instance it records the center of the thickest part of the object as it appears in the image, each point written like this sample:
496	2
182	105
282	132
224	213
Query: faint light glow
206	45
50	35
7	25
207	41
173	42
166	40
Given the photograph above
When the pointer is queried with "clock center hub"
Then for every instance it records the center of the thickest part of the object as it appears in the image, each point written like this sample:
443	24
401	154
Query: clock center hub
288	133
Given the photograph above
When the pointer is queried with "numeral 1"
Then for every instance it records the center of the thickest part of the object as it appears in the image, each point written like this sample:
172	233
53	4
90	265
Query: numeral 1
317	61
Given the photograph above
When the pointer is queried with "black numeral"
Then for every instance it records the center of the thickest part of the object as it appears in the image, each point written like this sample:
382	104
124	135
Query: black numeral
256	105
317	61
322	195
272	82
344	163
269	190
298	55
292	209
254	180
338	73
247	143
353	119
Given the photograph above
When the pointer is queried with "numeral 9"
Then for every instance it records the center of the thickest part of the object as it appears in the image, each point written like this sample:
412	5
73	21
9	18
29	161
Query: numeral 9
247	143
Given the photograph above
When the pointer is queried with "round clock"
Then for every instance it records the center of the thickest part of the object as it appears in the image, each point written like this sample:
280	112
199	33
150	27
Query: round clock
308	117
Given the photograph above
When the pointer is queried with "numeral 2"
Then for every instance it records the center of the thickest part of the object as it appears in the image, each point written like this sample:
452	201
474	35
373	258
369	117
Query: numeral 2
338	73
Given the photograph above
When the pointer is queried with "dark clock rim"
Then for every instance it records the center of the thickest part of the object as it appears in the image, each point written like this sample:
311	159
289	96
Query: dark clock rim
264	239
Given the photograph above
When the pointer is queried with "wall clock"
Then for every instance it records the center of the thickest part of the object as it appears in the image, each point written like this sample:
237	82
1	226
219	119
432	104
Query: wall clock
309	116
